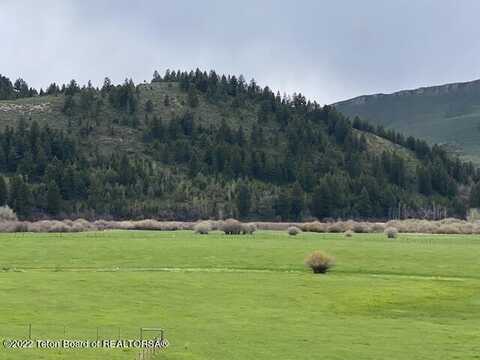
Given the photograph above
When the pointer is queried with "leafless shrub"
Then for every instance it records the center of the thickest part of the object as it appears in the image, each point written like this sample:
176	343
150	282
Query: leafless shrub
448	228
7	214
68	222
162	225
7	226
360	228
449	221
391	232
232	227
216	224
124	225
377	227
476	229
20	226
274	226
55	226
467	228
249	228
349	224
337	227
319	262
425	227
13	226
49	226
147	224
103	224
348	233
80	225
293	231
397	224
315	226
203	227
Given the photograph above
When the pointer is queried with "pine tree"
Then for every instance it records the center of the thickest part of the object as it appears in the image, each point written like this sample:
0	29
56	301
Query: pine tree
322	204
192	98
424	179
297	201
54	198
475	196
283	205
156	77
3	191
20	196
149	106
244	200
363	204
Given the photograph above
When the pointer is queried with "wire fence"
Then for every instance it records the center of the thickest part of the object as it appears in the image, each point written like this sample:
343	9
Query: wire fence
65	331
60	332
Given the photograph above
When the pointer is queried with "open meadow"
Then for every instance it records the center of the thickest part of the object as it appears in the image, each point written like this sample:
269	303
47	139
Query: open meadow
244	297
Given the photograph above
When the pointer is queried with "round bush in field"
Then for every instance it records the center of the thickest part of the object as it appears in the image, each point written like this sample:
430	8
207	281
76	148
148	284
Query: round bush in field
7	214
203	227
319	262
293	231
349	233
232	227
391	232
249	228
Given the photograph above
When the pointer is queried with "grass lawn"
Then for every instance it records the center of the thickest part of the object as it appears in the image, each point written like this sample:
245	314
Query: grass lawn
244	297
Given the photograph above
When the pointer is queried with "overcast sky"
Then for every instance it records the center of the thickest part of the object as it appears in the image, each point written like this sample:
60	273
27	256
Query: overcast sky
327	50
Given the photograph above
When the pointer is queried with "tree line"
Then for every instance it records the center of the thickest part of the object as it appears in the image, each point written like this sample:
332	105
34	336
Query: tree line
316	163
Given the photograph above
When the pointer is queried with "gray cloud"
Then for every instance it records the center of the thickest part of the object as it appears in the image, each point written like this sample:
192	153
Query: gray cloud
328	51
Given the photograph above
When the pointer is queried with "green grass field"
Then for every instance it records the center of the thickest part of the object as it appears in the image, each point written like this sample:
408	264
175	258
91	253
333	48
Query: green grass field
244	297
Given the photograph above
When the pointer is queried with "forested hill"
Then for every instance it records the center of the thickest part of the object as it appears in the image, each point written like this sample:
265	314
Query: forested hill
446	114
192	145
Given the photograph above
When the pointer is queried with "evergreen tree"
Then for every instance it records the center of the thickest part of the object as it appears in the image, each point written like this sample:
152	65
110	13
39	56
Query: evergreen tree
54	198
20	196
243	200
192	98
149	106
6	88
283	205
156	77
21	88
363	204
324	199
475	196
296	202
424	179
3	191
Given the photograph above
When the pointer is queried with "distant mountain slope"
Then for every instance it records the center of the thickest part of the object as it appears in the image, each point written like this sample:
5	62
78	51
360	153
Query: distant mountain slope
193	145
447	114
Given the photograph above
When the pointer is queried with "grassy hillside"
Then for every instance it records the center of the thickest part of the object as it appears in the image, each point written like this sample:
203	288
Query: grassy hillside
197	145
233	297
448	114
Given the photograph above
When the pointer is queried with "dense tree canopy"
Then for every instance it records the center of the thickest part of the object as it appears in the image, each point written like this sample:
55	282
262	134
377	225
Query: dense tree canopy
296	160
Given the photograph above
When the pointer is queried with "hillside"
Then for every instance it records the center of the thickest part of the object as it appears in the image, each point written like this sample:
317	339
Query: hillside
197	145
447	114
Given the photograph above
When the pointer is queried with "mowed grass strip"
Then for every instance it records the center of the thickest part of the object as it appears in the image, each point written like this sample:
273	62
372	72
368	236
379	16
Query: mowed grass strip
412	297
416	255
